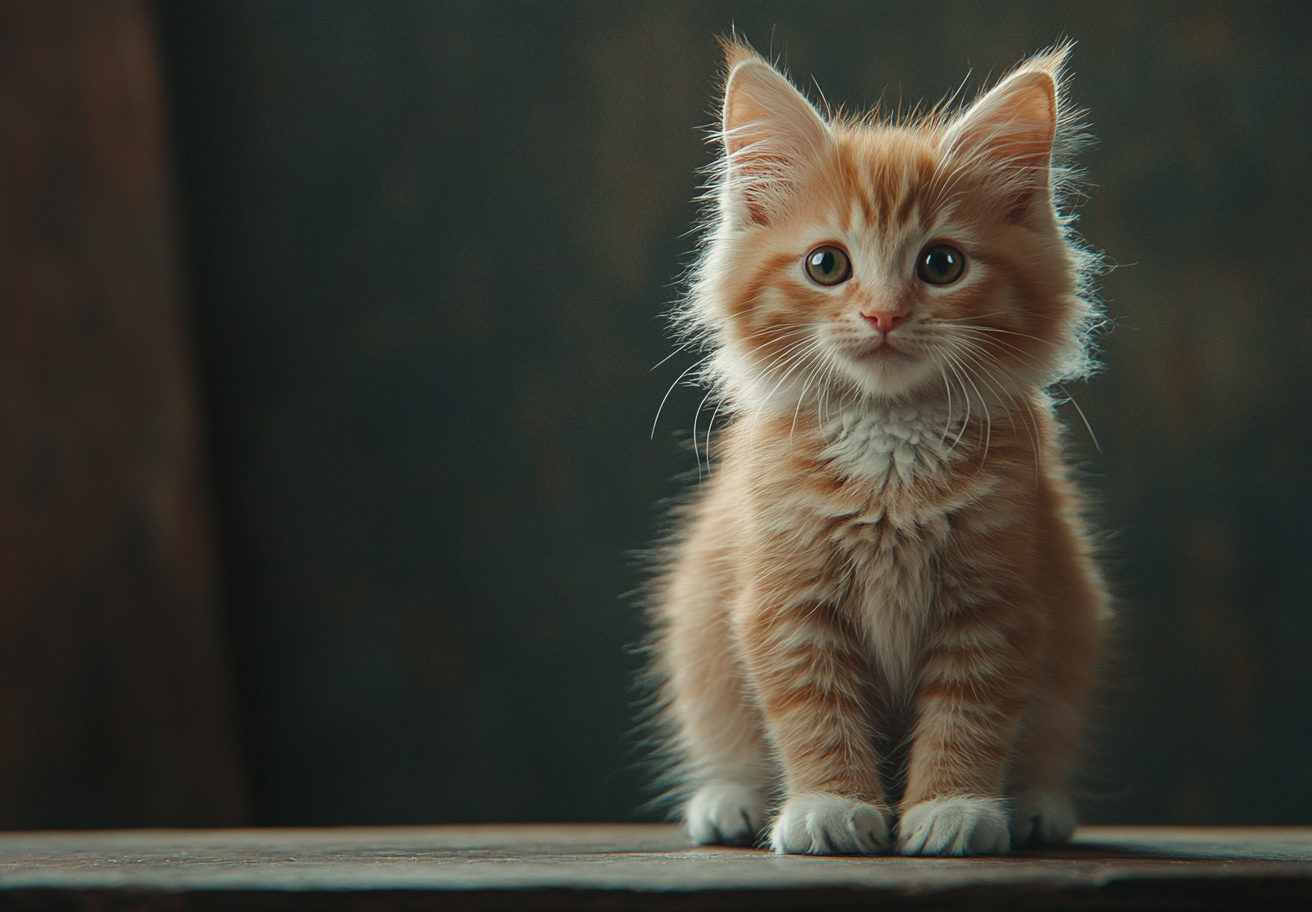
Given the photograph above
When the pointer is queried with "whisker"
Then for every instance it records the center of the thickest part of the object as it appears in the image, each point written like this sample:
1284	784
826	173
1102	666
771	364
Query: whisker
696	451
954	366
660	407
799	357
990	359
983	404
682	347
709	427
1087	426
801	397
947	395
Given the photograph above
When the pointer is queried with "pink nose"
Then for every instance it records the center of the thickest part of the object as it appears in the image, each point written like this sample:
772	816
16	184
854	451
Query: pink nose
885	320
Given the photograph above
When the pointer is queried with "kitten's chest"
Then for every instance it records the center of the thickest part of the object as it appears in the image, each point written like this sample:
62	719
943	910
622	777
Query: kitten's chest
898	477
874	491
881	531
891	448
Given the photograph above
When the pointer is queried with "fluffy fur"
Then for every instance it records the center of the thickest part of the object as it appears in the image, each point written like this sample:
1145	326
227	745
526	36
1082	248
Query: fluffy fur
878	622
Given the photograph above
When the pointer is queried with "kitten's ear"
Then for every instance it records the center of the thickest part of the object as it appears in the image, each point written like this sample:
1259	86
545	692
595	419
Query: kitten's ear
1012	129
771	136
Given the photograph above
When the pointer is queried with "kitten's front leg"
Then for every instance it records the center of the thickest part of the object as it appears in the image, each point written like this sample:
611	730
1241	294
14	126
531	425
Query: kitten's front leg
718	730
811	680
968	706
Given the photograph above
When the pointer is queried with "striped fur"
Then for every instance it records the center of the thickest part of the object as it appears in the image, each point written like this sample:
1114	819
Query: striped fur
882	604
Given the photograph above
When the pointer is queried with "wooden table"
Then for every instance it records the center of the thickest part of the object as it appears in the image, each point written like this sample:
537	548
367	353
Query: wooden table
634	866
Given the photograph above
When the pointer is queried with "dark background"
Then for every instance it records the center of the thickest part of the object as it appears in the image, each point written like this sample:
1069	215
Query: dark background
391	323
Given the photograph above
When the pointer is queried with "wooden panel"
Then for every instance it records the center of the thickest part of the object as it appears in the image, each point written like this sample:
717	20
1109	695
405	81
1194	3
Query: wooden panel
636	866
114	705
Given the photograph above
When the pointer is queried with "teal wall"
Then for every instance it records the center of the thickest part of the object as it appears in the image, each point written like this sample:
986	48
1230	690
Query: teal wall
429	246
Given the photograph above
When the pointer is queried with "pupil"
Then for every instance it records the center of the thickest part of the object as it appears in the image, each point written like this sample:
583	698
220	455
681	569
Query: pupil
824	262
940	262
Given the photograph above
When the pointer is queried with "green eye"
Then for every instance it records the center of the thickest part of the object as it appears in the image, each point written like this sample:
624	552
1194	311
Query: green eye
940	264
828	265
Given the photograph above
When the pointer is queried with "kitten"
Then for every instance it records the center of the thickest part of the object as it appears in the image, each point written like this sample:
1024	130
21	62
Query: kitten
881	608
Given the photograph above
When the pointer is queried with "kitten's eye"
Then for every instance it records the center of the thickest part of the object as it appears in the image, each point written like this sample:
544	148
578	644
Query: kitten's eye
828	265
940	264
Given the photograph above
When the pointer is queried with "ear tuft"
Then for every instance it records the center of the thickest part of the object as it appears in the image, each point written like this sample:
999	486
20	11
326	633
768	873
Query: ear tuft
771	134
1012	130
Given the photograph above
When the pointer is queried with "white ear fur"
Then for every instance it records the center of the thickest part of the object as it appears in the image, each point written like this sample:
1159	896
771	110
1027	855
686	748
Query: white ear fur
771	135
1013	128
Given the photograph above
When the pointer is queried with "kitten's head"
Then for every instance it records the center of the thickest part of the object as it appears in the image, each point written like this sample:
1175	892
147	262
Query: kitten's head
850	261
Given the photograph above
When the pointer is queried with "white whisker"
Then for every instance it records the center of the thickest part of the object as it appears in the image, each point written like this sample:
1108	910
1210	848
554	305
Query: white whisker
696	448
688	371
1087	426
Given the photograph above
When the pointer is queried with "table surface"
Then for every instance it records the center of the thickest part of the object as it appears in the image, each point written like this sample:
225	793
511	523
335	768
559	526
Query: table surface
639	866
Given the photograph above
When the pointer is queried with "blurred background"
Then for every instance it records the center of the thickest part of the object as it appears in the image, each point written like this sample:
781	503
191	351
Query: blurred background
327	334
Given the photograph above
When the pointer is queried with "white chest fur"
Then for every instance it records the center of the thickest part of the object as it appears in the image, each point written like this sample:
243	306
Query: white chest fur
893	543
890	445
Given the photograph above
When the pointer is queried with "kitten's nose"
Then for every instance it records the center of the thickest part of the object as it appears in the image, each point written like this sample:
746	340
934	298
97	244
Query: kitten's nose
885	320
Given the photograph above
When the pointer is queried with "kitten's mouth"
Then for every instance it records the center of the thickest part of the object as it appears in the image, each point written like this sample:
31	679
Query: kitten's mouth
882	349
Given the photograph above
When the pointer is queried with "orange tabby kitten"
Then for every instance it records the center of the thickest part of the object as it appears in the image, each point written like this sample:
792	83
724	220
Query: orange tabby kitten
881	608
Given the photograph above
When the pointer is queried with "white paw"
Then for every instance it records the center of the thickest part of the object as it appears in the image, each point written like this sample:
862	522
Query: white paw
725	813
821	824
1041	818
955	826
